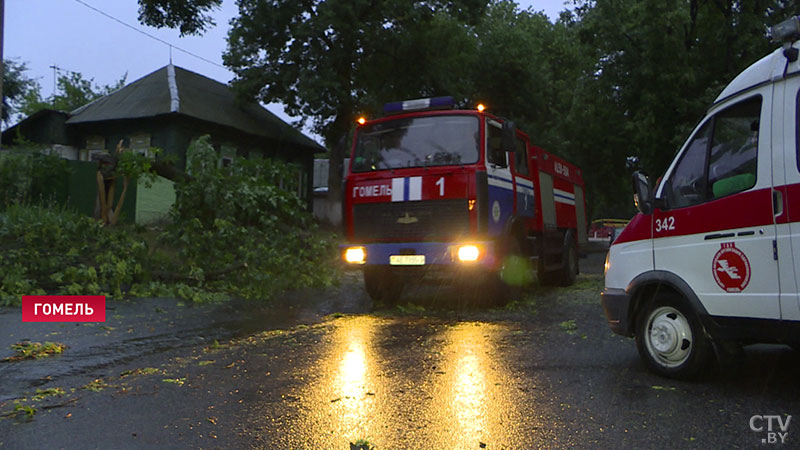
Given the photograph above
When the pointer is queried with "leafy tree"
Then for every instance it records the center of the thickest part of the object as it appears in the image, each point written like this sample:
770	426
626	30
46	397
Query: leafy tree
657	66
16	85
189	16
331	60
73	91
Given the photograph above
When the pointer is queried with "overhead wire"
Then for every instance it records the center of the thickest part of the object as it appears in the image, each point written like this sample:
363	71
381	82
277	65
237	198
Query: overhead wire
150	35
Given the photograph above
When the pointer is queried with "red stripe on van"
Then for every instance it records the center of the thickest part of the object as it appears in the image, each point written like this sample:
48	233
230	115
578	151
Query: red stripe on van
747	209
743	210
637	229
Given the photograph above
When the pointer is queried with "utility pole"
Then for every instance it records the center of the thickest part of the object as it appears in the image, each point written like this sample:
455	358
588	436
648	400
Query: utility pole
55	77
2	64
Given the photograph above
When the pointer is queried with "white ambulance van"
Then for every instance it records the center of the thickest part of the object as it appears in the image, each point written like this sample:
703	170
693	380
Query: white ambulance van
713	257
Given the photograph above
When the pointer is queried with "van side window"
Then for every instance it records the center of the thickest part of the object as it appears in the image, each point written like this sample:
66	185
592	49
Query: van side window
734	150
687	185
494	145
725	165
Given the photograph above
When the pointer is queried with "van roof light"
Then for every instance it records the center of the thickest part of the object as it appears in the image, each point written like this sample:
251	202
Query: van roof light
419	104
786	31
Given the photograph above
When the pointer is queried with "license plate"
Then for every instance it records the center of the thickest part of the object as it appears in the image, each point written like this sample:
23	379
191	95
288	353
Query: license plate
407	260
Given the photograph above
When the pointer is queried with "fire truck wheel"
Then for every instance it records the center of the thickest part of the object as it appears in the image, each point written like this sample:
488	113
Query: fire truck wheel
670	338
569	270
382	285
514	275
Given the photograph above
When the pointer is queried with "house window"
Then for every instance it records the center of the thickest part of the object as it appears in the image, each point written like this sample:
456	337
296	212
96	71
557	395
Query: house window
302	183
94	144
227	154
140	143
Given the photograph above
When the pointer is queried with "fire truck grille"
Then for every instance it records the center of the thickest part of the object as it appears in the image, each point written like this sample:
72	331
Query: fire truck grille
423	220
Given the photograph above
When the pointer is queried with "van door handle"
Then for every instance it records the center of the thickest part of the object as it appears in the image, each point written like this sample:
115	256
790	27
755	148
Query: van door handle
718	236
777	202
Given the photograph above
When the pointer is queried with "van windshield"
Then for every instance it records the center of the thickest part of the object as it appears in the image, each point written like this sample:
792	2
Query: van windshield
417	142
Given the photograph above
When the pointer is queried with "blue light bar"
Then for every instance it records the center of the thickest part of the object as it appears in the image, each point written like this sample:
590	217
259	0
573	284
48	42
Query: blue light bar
420	104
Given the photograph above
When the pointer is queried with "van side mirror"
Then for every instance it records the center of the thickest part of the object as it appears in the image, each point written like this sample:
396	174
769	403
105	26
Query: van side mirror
642	192
509	135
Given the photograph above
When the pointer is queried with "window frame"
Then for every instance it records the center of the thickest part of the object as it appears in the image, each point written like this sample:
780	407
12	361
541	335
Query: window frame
490	153
711	122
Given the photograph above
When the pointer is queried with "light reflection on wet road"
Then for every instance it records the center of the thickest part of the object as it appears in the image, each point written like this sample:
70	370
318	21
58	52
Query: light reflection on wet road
449	389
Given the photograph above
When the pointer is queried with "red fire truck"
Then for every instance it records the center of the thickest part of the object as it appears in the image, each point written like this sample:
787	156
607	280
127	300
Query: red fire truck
432	188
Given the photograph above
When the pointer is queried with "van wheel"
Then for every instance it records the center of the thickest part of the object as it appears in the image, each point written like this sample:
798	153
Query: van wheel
670	339
382	285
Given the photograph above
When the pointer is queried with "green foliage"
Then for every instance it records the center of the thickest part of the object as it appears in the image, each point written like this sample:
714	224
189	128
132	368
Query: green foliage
28	411
29	175
46	250
16	86
656	66
35	350
178	381
96	385
237	231
138	166
189	16
73	91
42	394
614	78
569	326
329	60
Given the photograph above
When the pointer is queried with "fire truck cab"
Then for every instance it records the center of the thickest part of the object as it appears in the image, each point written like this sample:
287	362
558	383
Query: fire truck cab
712	259
432	188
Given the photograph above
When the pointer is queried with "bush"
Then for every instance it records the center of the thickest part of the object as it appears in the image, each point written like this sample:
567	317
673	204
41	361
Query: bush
235	232
239	232
31	176
58	251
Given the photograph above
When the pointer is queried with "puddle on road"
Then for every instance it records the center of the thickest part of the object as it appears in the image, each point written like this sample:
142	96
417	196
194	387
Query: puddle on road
402	383
146	327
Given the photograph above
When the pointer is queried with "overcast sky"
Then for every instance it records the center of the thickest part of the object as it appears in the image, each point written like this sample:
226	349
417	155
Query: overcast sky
70	35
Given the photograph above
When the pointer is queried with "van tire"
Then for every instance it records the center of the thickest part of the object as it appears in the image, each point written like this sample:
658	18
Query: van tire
670	338
383	285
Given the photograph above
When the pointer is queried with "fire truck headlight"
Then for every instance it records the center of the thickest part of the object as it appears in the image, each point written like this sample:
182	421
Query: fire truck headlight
355	255
468	253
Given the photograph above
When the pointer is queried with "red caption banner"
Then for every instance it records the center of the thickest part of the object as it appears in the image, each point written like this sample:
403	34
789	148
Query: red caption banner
63	308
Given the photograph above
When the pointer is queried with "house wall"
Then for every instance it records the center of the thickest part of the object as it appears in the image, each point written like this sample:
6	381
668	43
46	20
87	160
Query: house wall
172	133
154	202
45	127
81	192
185	129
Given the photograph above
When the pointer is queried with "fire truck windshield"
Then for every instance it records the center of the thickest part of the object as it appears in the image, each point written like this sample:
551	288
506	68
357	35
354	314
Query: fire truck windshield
417	142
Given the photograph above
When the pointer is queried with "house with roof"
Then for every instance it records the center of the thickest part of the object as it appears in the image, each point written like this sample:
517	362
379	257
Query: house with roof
167	109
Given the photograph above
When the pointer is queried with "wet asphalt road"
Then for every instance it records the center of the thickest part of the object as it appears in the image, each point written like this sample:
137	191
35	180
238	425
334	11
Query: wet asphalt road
320	370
